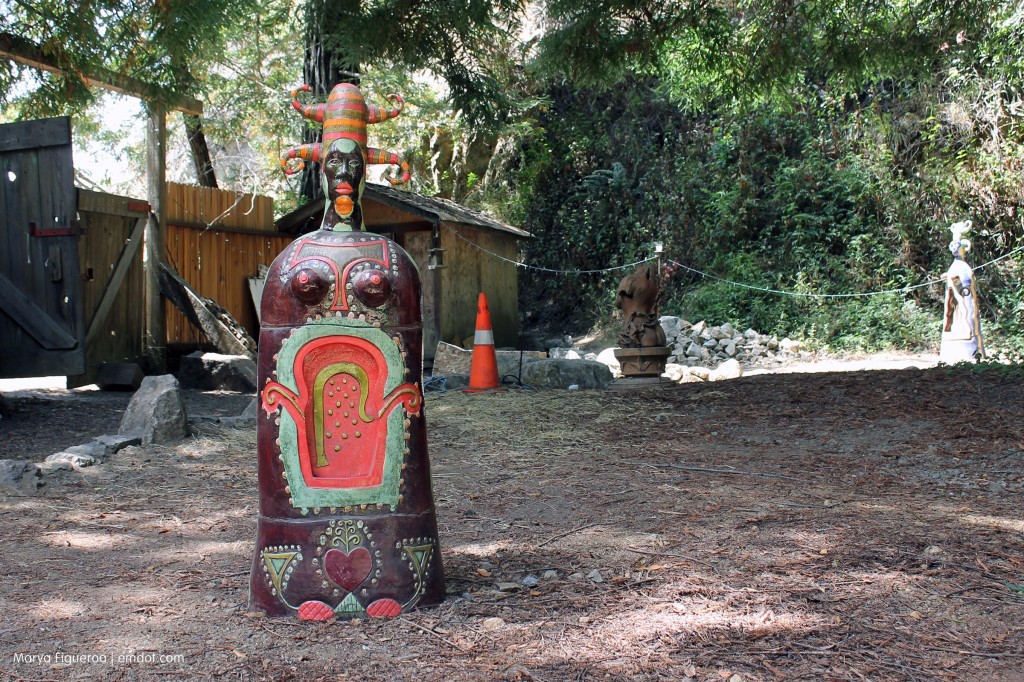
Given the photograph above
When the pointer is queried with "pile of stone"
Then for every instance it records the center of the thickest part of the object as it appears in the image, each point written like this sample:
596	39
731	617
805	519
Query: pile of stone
701	352
700	345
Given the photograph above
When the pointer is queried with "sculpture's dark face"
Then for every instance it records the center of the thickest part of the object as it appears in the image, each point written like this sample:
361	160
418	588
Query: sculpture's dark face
344	169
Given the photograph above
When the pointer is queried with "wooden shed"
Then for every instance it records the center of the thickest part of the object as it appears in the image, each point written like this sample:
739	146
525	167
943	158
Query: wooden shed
460	252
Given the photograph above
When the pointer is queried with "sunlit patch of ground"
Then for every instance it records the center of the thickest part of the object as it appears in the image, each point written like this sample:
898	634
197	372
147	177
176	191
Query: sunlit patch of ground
773	527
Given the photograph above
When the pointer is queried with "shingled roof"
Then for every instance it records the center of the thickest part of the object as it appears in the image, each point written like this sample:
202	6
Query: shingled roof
430	210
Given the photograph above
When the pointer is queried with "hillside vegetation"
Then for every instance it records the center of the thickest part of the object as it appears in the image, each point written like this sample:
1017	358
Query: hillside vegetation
818	148
813	190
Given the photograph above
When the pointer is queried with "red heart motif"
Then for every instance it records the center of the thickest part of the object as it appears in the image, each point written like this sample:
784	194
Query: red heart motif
348	570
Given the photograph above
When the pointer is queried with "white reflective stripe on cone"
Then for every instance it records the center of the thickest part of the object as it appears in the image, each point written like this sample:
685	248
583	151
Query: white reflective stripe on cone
483	337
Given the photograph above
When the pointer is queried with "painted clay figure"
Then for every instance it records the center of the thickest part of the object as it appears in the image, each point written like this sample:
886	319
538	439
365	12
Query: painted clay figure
961	328
347	526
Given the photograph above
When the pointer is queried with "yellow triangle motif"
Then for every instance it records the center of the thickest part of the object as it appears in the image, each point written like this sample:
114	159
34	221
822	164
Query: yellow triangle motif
276	564
420	557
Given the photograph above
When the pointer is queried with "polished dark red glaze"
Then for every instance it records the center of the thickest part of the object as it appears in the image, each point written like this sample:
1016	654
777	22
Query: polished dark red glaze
395	555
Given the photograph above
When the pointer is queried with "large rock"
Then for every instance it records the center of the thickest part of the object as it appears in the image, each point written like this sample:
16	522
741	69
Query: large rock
675	372
730	369
245	420
566	373
156	412
92	450
19	475
702	373
73	459
671	325
214	371
252	410
607	357
450	360
116	443
788	344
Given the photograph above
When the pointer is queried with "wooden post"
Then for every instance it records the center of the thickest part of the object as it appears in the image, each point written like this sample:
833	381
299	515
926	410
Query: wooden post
156	234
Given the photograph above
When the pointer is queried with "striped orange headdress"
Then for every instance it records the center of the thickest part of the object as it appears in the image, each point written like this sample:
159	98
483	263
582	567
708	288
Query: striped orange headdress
345	115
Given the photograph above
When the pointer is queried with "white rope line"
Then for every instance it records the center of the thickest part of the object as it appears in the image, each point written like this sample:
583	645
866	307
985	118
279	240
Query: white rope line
807	295
864	294
1005	255
519	264
901	290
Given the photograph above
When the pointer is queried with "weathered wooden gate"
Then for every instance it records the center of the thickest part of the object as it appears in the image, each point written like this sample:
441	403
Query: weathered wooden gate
41	331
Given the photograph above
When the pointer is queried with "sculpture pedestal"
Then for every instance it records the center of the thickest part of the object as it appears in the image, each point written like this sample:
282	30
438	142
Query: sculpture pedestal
640	383
643	362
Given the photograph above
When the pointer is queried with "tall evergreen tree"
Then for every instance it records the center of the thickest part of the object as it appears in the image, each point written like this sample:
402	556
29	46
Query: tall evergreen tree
460	41
163	44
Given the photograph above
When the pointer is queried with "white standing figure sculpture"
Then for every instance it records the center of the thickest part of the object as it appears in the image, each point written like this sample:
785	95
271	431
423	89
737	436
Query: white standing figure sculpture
961	326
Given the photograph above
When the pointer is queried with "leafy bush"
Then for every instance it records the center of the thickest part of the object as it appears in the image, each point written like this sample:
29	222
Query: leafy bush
825	195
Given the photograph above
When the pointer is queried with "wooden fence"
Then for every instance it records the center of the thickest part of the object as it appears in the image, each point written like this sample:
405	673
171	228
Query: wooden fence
216	240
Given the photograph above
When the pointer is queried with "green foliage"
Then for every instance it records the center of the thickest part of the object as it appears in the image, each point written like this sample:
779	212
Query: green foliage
596	41
463	42
819	196
756	51
163	43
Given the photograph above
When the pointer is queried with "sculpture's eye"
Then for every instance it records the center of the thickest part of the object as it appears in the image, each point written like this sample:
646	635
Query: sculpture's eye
308	285
372	287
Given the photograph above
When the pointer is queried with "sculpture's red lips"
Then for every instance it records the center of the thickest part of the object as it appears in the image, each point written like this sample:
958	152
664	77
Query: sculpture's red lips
344	188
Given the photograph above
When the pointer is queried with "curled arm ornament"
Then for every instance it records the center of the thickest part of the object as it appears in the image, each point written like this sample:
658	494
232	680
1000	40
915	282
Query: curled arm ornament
377	156
314	112
305	152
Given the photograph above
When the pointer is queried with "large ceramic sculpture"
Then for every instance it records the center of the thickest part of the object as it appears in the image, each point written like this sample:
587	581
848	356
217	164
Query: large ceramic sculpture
347	525
642	352
961	325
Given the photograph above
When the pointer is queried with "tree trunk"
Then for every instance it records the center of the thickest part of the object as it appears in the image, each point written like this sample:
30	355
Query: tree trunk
324	68
201	160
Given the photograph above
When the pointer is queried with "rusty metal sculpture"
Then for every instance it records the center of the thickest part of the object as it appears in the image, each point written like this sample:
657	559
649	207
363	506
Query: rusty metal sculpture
347	526
961	324
642	351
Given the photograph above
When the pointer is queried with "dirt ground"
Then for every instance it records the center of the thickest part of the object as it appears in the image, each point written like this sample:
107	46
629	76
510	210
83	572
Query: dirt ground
847	526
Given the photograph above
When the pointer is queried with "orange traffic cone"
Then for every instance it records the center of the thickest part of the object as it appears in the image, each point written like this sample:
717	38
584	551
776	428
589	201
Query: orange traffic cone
483	373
